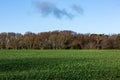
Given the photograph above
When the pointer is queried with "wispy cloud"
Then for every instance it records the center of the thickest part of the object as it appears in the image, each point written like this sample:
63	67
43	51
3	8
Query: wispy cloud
48	8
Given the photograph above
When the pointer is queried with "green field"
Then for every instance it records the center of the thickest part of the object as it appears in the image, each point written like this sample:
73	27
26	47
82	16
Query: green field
59	64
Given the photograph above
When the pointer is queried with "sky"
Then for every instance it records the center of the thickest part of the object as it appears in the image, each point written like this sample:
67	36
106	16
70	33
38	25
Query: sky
81	16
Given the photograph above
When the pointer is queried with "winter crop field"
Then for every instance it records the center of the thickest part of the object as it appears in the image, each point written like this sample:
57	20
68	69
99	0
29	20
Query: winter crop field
59	64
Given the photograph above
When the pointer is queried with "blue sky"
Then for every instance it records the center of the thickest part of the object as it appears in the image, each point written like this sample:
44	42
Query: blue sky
99	16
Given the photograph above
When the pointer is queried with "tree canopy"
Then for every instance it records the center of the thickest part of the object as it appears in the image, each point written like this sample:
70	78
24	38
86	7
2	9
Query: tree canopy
58	40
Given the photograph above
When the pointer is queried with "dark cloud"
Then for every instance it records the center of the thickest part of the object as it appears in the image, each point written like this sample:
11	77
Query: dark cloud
45	7
48	8
77	8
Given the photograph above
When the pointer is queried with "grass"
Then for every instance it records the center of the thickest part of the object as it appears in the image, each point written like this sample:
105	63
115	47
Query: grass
59	64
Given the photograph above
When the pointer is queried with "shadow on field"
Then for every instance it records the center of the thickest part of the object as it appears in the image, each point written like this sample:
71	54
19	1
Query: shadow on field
55	69
34	63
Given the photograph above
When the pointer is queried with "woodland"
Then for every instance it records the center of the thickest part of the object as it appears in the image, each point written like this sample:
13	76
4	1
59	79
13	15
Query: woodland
58	40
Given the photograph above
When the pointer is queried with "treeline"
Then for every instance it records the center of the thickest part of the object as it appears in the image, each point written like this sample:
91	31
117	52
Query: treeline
58	40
